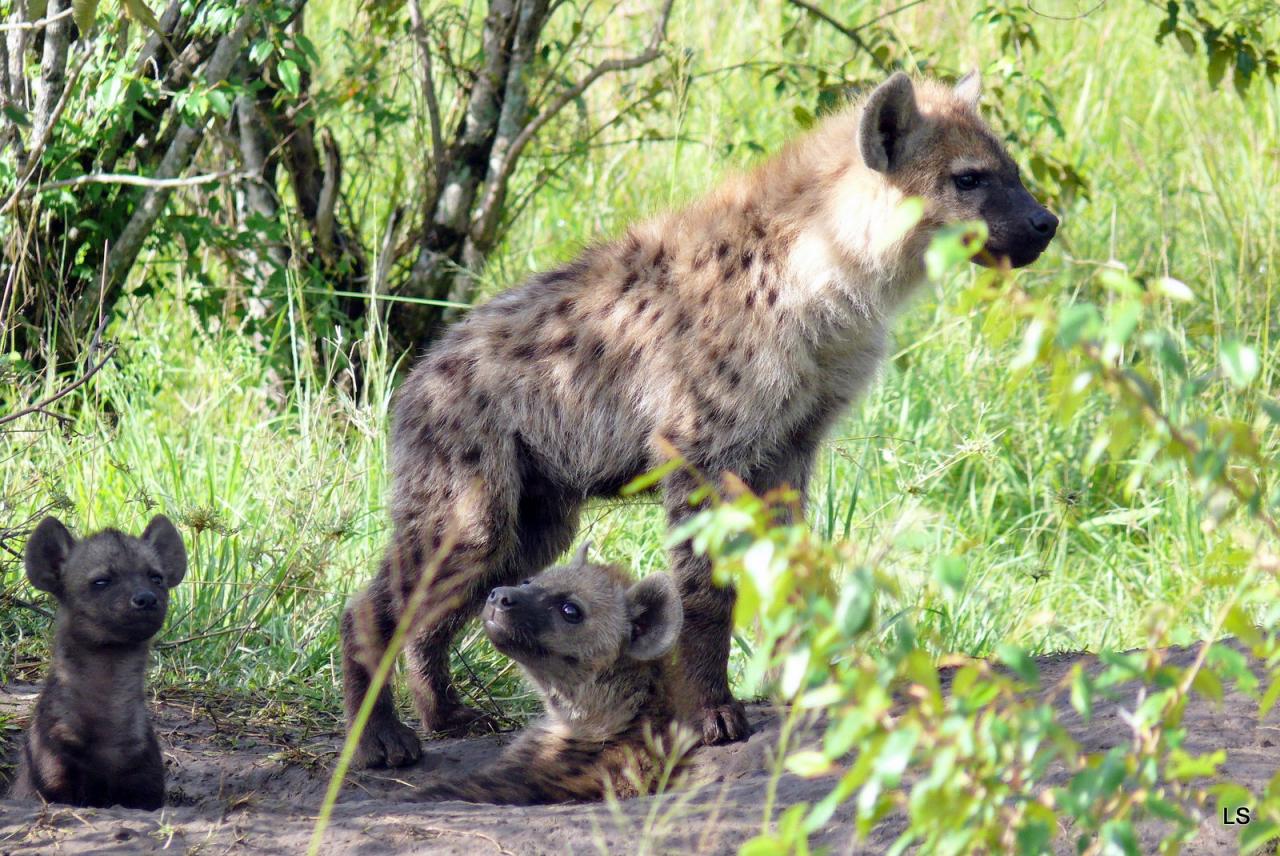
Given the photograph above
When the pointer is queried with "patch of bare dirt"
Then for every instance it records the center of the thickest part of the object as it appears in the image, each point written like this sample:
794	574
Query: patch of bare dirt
238	783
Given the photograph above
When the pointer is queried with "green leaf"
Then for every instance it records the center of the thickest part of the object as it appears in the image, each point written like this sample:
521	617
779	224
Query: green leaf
1258	834
642	483
952	246
1184	767
1118	838
763	845
904	218
1217	65
1030	349
950	572
1186	41
290	77
808	763
1018	662
1079	321
1240	362
84	12
138	11
1174	289
1081	692
16	116
1119	281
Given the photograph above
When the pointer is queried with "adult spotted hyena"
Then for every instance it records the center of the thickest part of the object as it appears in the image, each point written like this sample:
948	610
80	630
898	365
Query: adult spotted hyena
736	330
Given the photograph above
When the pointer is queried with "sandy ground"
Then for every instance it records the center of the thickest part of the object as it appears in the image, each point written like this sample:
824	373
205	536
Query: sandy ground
238	782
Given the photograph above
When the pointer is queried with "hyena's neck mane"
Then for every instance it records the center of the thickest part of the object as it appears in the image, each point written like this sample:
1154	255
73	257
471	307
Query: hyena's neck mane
827	223
615	704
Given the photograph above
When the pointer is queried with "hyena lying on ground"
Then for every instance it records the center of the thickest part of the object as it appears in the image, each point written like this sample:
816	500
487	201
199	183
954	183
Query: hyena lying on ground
90	741
597	645
736	331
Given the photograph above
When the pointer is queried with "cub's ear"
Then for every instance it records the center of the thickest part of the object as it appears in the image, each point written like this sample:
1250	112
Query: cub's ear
579	559
969	89
47	551
165	540
653	605
888	120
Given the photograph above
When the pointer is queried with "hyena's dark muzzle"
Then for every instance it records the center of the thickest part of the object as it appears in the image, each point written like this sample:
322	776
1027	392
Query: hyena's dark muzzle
514	618
1019	228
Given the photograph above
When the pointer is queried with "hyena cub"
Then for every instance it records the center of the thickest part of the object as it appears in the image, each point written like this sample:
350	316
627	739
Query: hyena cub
597	646
91	742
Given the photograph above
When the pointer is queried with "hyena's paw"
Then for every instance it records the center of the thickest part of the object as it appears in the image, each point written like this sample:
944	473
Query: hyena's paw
723	723
460	720
390	743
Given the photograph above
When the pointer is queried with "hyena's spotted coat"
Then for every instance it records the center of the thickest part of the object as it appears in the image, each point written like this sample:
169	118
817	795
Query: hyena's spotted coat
597	647
736	330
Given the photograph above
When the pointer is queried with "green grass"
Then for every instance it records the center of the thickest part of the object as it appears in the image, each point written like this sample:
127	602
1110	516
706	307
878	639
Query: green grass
279	486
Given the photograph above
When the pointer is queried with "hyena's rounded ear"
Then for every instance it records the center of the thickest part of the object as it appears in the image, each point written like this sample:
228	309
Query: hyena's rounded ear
579	559
888	120
46	553
163	537
653	606
969	89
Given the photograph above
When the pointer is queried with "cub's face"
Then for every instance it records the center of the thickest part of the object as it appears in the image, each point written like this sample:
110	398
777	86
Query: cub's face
929	141
113	588
582	618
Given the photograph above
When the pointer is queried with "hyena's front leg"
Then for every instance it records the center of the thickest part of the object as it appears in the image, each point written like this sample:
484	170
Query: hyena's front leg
705	634
367	626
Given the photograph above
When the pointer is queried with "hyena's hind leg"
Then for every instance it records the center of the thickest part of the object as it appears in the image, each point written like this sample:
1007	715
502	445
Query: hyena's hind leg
706	632
367	625
545	525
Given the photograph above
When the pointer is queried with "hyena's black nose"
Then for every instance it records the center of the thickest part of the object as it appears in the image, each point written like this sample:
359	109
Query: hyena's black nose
1044	222
504	597
144	600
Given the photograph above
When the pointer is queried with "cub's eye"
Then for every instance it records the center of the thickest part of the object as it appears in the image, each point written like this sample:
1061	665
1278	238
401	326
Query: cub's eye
967	180
571	612
525	582
101	582
157	579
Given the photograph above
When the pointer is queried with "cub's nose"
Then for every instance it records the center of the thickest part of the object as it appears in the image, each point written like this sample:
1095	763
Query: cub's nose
1044	223
505	597
144	600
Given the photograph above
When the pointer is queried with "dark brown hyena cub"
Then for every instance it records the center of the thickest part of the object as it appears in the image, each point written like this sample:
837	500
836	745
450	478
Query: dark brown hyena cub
90	742
597	646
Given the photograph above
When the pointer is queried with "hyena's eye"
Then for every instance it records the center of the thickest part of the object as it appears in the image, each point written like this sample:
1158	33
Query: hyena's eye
571	611
101	582
967	180
525	582
157	579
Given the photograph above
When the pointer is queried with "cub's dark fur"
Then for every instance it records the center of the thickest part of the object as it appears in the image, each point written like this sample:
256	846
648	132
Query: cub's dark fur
91	742
598	648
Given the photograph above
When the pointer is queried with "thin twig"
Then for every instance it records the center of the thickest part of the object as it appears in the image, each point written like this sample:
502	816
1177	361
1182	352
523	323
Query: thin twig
37	25
65	391
141	180
38	610
37	148
429	92
878	18
851	33
494	192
